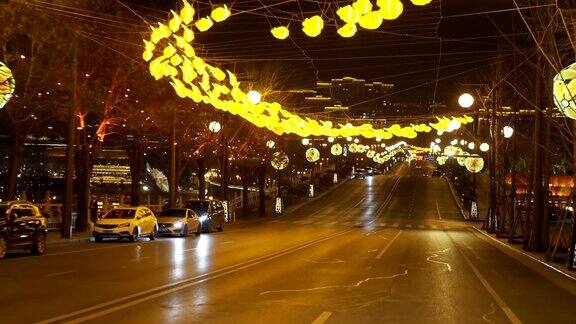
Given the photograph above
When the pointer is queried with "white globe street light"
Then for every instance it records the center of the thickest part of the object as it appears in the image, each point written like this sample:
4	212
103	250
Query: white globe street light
471	145
270	144
254	96
330	139
454	142
305	141
508	131
356	141
484	147
214	127
349	139
438	141
466	100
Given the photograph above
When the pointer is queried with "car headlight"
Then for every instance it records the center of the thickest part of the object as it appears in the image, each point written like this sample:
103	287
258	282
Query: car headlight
178	225
124	225
203	218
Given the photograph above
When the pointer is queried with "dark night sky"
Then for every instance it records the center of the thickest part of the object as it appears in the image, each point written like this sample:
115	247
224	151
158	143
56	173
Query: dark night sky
404	52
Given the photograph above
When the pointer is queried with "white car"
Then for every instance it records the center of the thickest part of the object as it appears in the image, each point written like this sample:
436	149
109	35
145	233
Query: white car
126	222
178	221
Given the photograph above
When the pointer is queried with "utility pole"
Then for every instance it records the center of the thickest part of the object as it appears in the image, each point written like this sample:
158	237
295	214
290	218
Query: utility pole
225	178
66	224
173	172
492	214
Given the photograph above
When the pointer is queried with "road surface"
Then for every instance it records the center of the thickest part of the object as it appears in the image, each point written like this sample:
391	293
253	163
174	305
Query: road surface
388	249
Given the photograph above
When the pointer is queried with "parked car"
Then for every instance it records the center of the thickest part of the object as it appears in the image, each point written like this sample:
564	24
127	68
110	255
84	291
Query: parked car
22	227
126	222
360	173
211	214
178	222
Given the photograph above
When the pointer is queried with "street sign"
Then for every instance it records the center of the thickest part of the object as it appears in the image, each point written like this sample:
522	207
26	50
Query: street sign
474	210
279	206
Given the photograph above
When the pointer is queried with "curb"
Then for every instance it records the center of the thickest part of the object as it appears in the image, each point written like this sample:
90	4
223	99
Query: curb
60	241
500	245
457	201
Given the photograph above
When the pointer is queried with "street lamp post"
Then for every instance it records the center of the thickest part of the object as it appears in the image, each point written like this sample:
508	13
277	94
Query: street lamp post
466	100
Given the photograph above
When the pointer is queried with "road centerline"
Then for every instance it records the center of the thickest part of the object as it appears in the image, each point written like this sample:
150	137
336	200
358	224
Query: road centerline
387	246
322	318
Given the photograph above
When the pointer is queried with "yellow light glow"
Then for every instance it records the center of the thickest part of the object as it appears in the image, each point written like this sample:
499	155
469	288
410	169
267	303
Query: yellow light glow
371	20
204	24
313	26
221	13
281	32
421	2
347	30
390	9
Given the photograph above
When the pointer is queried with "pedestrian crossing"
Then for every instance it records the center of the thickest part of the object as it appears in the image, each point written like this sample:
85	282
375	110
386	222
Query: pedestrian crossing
378	223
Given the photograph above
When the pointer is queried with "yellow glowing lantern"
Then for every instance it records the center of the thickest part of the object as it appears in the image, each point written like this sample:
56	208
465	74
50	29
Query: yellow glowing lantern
474	164
312	155
221	13
7	84
313	26
564	91
281	32
371	20
347	30
421	2
204	24
390	9
348	14
362	6
336	150
279	160
187	13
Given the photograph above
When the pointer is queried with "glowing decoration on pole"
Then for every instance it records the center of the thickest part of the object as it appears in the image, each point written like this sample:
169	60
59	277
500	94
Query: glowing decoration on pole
171	56
279	160
336	150
564	91
313	26
312	155
474	164
254	96
348	14
508	131
7	84
281	32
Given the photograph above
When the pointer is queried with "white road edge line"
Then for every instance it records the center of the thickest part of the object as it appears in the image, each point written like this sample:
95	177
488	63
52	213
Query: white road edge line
83	315
388	245
59	273
507	311
322	318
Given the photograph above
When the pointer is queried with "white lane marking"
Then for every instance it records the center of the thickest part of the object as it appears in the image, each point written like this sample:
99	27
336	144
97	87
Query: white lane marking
388	245
509	313
438	210
59	273
322	318
166	289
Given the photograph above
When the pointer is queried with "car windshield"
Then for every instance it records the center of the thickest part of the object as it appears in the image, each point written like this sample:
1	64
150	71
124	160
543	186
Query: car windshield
200	207
173	213
121	213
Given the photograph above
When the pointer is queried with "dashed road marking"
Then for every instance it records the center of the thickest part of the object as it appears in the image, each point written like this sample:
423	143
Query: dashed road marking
322	318
388	245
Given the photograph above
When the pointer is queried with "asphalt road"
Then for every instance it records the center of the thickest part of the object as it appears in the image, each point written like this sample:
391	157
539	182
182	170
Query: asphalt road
388	249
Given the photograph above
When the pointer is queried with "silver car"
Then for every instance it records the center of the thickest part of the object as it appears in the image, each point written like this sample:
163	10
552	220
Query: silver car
178	222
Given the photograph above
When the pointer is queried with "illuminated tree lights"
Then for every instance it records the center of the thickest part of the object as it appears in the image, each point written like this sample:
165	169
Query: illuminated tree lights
564	90
312	155
7	84
279	160
171	55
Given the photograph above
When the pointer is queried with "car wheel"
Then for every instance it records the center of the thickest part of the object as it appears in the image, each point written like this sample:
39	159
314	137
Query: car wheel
184	231
152	235
134	236
97	239
39	247
3	248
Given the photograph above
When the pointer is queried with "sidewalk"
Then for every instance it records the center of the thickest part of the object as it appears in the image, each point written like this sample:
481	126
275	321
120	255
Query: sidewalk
55	238
531	259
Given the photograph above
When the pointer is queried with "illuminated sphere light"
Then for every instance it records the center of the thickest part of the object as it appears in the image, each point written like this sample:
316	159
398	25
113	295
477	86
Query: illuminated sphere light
254	96
305	141
214	127
313	26
370	154
450	150
378	139
348	30
391	9
336	150
564	91
330	139
461	159
349	139
7	84
270	144
279	160
171	56
454	142
371	20
484	147
508	131
220	14
356	141
454	125
438	141
471	146
466	100
474	164
312	155
463	142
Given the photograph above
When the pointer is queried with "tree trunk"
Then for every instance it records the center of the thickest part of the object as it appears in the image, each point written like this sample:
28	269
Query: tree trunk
200	175
173	182
83	183
14	161
136	162
262	189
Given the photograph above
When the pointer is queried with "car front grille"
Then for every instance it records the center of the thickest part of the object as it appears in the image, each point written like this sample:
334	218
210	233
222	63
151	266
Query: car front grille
107	226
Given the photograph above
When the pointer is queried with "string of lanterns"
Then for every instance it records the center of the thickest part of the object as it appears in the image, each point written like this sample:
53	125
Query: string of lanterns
360	13
193	78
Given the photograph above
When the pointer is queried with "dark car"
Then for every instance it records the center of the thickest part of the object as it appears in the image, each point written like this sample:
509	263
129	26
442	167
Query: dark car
210	213
21	227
